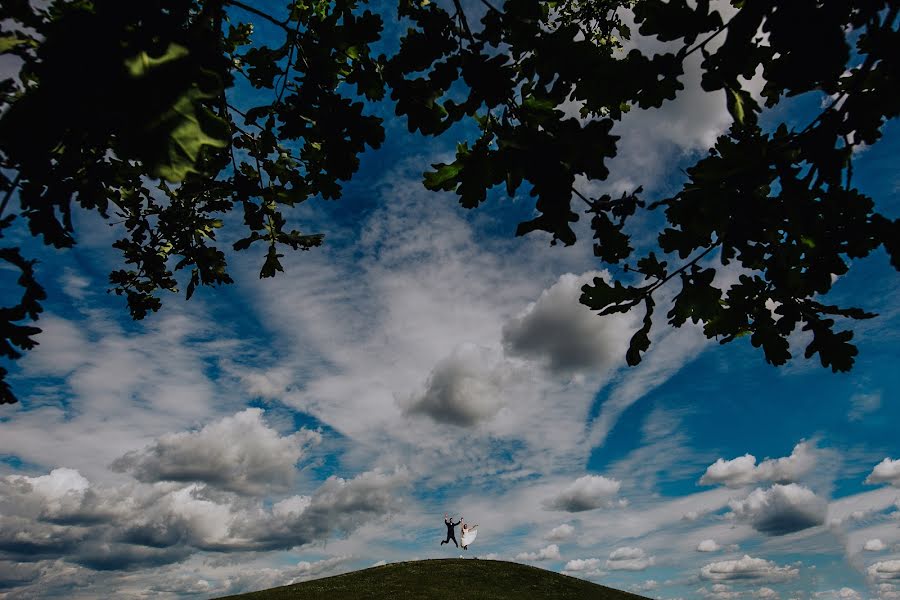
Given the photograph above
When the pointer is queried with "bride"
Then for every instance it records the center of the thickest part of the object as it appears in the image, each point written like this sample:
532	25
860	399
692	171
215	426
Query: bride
468	535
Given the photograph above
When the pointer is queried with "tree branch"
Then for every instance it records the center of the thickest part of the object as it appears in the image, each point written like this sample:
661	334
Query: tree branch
290	61
259	13
491	7
9	192
463	21
652	288
708	39
860	74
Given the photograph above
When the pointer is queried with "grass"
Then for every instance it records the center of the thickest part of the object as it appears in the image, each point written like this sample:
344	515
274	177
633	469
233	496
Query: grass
445	579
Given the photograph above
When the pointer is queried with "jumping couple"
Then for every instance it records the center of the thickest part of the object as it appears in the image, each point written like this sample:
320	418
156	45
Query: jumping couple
468	533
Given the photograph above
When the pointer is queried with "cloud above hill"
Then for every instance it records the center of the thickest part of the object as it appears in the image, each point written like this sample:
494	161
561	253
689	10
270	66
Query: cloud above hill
747	569
743	470
463	389
239	453
564	335
628	558
780	509
550	552
587	493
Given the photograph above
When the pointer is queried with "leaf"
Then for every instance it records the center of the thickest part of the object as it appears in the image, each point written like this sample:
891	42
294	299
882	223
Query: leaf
10	41
640	341
171	141
272	263
610	299
444	177
650	266
741	106
192	284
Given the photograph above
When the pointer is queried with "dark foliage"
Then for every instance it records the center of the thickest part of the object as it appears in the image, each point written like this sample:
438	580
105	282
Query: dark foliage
124	108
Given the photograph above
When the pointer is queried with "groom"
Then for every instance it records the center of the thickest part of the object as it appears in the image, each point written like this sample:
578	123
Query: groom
451	535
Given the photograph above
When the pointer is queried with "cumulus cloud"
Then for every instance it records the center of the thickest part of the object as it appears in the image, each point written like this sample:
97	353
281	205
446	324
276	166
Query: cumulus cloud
885	570
780	509
874	545
743	470
585	568
563	334
844	593
463	389
887	471
550	552
628	558
719	591
708	546
339	505
587	493
239	453
61	515
560	534
583	564
749	569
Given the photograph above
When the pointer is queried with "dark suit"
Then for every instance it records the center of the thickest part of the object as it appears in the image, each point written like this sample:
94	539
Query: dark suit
451	535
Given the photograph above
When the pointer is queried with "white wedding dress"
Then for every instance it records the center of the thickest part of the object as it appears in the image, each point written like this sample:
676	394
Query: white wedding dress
468	537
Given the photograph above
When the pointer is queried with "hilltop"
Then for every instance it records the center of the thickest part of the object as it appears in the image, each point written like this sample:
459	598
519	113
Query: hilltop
445	579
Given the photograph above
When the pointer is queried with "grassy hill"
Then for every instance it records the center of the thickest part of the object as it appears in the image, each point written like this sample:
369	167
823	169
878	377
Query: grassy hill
441	580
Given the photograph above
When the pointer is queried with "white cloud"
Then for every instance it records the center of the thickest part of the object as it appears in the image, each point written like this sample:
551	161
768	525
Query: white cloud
708	546
587	493
254	579
585	568
863	404
463	389
845	593
238	453
561	533
766	592
781	509
583	564
338	505
646	586
719	591
75	285
270	384
564	334
550	552
113	528
748	569
861	507
884	570
887	471
874	545
628	558
743	470
103	388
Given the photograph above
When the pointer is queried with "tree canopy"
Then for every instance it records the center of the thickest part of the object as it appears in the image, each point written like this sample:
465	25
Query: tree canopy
128	109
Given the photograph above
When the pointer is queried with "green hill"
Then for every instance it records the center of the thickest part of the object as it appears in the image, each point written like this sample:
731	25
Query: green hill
443	579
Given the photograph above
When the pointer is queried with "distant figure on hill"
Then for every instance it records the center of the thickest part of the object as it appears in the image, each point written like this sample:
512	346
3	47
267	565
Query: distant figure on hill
468	535
451	535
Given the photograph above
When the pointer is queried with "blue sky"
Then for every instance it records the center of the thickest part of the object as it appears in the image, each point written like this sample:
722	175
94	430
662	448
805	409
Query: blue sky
426	361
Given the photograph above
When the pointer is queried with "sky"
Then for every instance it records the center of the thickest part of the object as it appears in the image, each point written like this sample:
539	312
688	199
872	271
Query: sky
426	361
